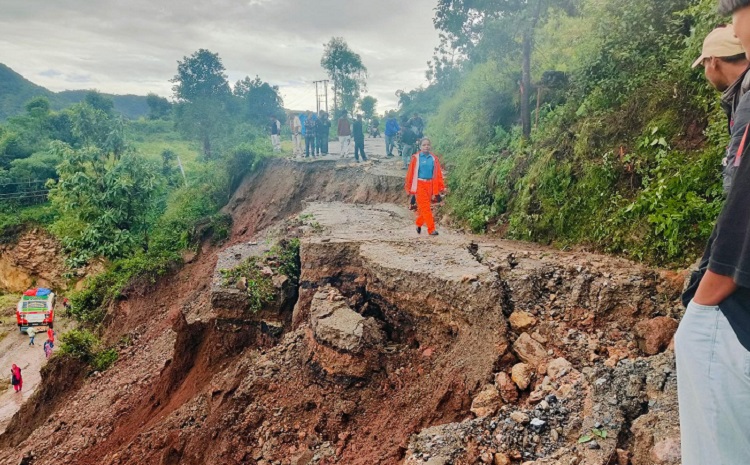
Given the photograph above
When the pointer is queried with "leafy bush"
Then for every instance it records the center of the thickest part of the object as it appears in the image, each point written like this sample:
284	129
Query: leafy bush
85	346
104	359
286	254
80	343
283	257
259	289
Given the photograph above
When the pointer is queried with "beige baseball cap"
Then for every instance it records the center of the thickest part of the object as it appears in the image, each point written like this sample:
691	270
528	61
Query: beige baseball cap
720	43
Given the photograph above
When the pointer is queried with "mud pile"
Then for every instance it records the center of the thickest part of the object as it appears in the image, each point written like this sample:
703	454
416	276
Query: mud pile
388	347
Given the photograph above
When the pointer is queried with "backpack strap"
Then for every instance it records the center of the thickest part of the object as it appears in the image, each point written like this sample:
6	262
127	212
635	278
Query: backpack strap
741	147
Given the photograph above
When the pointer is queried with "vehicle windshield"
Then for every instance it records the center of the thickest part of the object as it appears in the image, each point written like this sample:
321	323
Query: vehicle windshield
34	306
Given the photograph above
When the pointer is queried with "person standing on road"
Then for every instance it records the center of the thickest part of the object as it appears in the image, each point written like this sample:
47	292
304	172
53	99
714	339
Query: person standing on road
309	135
275	129
359	139
712	343
391	130
424	180
32	334
295	125
417	125
51	335
408	141
323	128
48	348
15	378
344	132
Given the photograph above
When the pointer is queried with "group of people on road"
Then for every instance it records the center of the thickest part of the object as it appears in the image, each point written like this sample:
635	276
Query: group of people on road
404	137
424	177
712	343
309	130
16	378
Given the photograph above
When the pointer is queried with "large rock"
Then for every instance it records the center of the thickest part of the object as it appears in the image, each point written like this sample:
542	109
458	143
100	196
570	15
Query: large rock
558	368
338	326
654	335
521	321
506	387
521	373
341	342
529	350
501	459
487	402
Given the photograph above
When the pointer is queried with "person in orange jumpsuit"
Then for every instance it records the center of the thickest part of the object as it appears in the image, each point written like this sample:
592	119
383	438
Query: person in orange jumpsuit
424	180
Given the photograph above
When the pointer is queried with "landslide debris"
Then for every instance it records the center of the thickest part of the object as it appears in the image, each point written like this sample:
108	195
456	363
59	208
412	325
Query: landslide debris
388	348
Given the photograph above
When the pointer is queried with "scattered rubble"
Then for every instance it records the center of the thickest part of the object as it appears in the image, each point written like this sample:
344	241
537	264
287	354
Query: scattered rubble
391	348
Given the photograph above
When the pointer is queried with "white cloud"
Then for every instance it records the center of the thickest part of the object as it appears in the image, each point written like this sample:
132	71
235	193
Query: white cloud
135	48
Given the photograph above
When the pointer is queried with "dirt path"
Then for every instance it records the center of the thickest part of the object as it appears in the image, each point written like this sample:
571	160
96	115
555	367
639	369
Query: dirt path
14	348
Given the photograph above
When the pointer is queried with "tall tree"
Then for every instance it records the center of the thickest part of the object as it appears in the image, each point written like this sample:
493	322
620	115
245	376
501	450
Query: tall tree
158	107
201	75
368	105
104	190
259	99
99	101
202	92
346	71
464	22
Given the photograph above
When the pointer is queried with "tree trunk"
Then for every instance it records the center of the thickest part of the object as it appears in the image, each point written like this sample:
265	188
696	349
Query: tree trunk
207	147
526	89
526	84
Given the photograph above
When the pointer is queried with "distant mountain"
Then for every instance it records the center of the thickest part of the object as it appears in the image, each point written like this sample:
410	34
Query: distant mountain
15	91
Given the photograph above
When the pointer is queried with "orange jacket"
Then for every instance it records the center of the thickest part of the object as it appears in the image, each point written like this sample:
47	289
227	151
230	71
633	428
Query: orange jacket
438	184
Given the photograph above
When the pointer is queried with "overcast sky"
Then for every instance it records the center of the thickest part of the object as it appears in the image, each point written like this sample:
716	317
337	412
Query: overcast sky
132	47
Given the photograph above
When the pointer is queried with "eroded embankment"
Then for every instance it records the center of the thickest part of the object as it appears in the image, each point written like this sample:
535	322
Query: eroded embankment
386	335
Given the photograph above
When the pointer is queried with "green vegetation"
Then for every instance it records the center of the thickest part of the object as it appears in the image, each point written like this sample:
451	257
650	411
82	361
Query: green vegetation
257	283
85	346
133	195
254	274
625	140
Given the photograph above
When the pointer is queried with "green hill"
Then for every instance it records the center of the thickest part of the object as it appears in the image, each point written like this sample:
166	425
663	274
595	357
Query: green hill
15	91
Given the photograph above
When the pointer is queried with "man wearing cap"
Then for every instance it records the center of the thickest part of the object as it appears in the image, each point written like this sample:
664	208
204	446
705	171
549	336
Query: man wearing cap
725	65
712	344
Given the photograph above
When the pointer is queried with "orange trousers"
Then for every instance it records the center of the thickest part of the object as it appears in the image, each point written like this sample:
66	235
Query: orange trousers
424	206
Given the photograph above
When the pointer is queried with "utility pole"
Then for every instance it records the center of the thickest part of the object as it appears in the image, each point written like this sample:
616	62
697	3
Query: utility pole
317	99
319	96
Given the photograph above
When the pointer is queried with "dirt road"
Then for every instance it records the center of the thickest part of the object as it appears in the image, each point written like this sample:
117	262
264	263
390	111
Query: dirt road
14	348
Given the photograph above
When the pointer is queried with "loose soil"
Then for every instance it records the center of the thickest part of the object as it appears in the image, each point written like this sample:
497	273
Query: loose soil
452	316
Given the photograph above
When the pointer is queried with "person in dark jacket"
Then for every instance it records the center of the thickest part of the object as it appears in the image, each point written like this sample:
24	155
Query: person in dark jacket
322	129
712	343
275	131
417	125
309	135
391	131
358	134
408	144
725	66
